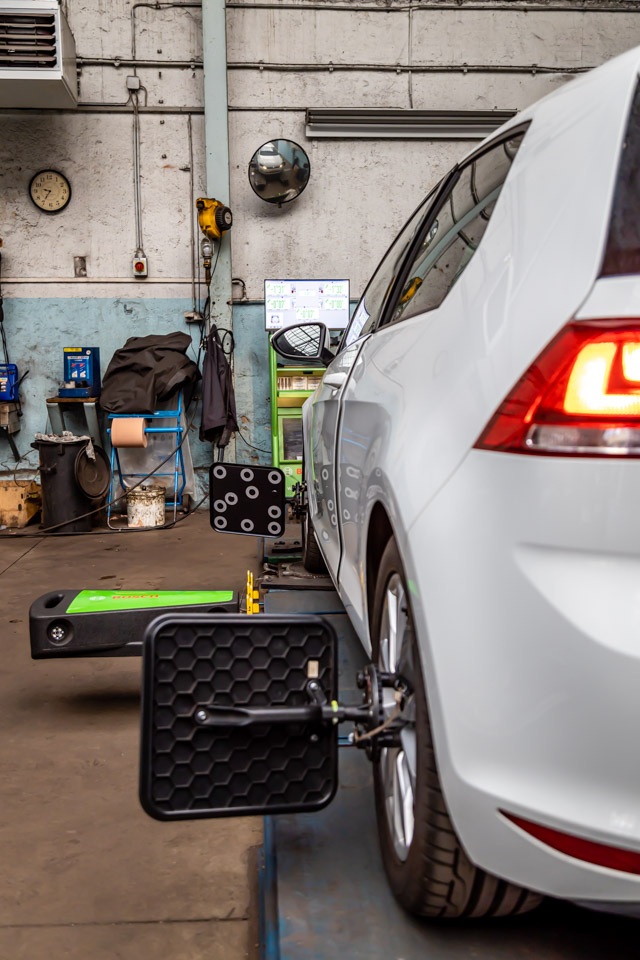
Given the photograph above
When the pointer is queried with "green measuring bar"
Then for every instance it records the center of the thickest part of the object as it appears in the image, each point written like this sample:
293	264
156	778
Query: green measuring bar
96	601
111	623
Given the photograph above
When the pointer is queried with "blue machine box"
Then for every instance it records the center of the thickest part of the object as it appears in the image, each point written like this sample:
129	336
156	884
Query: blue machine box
81	373
8	383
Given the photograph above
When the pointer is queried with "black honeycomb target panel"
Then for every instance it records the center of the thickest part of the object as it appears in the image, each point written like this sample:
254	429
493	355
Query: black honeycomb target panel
247	499
188	770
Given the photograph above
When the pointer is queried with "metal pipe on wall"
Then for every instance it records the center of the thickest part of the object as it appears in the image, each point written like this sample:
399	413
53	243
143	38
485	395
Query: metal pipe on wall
152	6
216	135
135	63
96	281
192	238
137	199
106	108
410	55
404	68
630	6
118	62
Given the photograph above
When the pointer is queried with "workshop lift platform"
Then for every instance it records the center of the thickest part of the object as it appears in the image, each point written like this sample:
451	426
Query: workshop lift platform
323	891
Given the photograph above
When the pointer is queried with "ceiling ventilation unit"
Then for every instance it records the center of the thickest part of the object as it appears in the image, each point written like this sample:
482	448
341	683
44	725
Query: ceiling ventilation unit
37	56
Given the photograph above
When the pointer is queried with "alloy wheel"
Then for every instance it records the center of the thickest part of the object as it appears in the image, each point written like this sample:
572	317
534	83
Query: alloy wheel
398	764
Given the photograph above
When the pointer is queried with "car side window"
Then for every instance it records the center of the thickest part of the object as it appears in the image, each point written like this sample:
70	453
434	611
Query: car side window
368	311
456	231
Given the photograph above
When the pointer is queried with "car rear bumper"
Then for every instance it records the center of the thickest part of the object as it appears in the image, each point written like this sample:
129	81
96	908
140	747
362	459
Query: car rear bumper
527	609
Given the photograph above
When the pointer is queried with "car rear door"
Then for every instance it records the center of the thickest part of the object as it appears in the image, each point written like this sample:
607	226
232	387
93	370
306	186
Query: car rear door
390	400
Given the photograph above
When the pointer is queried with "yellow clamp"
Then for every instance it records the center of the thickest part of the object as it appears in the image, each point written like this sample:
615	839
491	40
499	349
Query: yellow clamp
252	595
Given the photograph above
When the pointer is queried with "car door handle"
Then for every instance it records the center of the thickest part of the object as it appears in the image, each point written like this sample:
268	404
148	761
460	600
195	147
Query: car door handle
334	380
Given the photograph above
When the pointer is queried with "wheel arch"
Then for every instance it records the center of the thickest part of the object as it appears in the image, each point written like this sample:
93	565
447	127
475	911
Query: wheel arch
379	532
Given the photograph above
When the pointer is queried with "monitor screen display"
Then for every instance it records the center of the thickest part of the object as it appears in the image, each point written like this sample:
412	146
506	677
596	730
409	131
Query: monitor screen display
287	302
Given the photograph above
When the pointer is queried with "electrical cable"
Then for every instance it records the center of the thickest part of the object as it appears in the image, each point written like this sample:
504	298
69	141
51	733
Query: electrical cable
225	333
228	346
48	530
213	270
90	513
110	503
20	483
103	532
253	446
359	737
5	350
4	338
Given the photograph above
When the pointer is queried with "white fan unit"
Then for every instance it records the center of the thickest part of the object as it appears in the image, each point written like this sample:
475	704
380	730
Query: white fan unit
37	56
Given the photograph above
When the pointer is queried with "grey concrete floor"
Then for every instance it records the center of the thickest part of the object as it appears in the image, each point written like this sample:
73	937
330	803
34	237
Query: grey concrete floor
84	872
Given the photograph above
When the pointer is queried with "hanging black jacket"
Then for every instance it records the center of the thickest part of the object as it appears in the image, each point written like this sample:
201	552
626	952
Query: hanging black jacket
146	370
218	399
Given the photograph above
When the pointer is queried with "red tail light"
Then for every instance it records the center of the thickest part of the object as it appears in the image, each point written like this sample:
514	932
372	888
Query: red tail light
615	858
581	397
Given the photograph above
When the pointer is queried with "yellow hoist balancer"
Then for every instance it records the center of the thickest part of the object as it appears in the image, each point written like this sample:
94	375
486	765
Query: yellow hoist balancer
214	219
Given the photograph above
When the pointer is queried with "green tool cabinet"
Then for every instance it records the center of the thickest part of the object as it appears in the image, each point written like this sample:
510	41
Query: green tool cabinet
290	387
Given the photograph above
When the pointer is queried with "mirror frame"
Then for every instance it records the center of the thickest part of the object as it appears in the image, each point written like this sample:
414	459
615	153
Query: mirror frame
276	201
324	354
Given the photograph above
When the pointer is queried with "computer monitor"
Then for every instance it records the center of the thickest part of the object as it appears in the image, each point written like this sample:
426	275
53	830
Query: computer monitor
287	302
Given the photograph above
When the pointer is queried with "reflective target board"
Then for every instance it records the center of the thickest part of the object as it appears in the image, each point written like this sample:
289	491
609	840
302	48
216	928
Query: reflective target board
247	499
197	760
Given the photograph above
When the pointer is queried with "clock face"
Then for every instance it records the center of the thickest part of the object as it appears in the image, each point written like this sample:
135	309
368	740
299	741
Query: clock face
50	191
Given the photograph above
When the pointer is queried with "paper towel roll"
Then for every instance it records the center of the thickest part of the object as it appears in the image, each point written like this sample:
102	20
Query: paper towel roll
128	432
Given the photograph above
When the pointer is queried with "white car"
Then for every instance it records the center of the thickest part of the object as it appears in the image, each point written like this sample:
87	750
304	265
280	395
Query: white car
473	481
269	159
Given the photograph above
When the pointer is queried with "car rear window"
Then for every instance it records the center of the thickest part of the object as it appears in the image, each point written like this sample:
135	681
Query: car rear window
622	254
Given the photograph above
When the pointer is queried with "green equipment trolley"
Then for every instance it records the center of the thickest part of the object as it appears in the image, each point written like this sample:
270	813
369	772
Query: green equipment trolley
290	387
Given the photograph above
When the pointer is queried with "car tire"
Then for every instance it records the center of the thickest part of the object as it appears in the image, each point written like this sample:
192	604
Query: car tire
429	871
312	559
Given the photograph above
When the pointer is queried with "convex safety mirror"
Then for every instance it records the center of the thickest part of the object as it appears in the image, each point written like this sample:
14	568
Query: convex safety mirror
279	171
304	341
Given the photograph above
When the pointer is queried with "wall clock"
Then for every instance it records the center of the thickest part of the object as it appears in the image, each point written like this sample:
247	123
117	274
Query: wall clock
50	191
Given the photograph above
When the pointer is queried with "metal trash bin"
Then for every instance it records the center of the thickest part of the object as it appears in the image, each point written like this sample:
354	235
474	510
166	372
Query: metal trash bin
69	487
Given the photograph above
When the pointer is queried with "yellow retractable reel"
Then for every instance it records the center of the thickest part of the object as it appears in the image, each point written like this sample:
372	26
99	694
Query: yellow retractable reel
214	219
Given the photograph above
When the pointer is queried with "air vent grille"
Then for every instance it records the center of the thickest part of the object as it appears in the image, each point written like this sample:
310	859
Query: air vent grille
28	41
383	124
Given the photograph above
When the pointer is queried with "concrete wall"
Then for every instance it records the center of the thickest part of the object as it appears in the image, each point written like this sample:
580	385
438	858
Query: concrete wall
47	308
282	58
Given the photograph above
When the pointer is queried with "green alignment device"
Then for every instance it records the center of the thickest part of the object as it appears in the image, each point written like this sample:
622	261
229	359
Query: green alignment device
111	623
